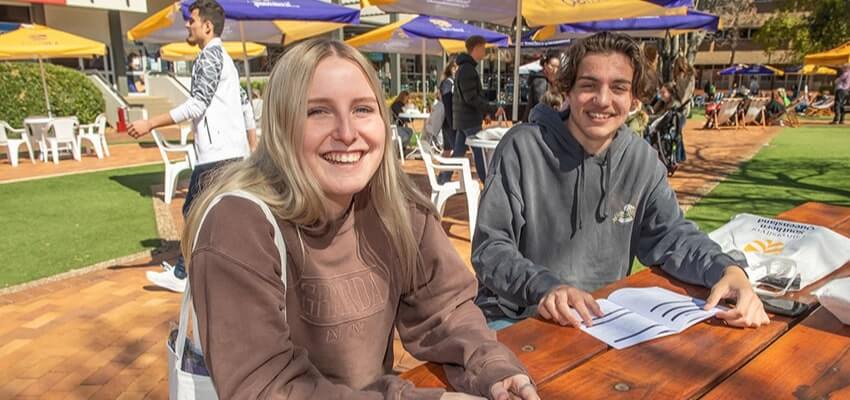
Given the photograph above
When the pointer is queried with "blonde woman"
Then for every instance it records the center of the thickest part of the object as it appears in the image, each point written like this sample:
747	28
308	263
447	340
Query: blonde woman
365	254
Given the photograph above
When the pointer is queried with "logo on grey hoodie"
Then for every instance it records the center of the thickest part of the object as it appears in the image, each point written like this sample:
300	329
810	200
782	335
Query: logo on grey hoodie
625	216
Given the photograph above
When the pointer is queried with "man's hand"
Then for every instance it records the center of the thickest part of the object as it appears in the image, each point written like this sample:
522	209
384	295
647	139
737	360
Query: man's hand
139	128
555	306
515	387
748	311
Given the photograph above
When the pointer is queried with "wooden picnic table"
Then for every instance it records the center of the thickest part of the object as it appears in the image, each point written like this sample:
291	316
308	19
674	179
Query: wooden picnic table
567	363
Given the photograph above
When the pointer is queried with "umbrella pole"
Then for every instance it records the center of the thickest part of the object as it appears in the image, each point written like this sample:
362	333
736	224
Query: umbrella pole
245	61
44	86
517	45
424	81
498	75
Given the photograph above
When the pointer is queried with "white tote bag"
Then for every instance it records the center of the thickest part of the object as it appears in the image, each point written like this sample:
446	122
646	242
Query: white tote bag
188	385
784	249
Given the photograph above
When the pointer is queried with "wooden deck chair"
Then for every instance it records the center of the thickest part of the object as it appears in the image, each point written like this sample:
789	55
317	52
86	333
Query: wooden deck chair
790	117
754	111
822	108
727	113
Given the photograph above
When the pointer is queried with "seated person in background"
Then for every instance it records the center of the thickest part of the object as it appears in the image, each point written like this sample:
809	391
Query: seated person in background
398	107
665	100
571	203
821	98
775	109
553	99
365	256
638	119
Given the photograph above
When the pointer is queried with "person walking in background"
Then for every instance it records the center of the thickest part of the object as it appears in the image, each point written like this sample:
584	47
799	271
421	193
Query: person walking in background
222	120
446	88
469	106
842	87
539	83
754	87
684	81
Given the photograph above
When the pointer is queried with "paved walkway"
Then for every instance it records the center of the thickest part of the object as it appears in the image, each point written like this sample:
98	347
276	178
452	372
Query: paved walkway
101	335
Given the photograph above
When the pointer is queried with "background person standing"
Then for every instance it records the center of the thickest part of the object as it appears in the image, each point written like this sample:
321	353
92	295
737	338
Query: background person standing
222	120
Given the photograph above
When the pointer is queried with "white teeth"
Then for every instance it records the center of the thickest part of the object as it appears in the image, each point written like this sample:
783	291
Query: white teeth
343	158
598	115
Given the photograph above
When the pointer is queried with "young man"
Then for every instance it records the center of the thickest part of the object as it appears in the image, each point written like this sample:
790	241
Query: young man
568	205
469	106
220	112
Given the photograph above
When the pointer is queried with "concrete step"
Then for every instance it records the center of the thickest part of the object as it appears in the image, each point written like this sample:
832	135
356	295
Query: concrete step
154	104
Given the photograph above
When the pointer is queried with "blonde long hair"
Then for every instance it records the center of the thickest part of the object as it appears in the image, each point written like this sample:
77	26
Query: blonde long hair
276	173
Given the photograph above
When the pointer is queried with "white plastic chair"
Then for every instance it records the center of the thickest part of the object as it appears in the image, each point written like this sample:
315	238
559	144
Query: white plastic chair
397	140
440	193
95	133
14	144
174	168
64	130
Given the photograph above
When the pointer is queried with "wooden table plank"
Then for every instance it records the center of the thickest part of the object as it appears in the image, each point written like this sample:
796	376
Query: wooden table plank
817	214
679	366
812	361
546	349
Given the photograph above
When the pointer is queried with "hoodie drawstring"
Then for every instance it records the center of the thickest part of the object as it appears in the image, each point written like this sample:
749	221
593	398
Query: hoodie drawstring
602	207
578	193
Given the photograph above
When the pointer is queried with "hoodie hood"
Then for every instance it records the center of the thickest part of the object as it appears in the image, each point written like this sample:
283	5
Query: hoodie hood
465	58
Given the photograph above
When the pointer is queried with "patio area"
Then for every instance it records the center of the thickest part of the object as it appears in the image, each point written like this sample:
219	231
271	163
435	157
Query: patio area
100	334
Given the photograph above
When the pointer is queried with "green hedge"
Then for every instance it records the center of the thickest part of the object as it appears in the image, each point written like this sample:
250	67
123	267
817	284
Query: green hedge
22	95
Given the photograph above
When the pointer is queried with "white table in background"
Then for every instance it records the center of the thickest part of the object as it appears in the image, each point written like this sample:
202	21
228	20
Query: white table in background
37	127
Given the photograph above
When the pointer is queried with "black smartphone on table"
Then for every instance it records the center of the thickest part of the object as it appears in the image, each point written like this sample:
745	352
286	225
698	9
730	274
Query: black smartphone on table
786	307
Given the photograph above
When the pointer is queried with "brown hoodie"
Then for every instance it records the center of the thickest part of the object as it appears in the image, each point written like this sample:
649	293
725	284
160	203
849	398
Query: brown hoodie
328	334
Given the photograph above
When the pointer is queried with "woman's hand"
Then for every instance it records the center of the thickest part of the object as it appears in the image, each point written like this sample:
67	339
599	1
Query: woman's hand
515	387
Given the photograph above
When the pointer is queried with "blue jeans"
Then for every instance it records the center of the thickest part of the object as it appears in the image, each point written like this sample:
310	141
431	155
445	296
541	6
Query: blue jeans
501	323
200	178
680	140
459	150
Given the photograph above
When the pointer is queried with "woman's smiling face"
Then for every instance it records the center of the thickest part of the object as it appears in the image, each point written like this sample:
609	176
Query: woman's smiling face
344	132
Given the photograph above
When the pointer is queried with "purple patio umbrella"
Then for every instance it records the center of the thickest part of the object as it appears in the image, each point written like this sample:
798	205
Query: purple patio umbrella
640	26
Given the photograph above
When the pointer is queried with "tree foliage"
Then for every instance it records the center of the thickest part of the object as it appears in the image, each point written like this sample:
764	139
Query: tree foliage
810	26
22	94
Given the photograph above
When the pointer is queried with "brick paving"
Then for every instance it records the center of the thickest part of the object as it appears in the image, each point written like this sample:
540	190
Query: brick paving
101	335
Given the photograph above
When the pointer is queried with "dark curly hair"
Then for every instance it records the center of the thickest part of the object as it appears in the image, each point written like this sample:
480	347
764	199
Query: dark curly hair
605	43
210	10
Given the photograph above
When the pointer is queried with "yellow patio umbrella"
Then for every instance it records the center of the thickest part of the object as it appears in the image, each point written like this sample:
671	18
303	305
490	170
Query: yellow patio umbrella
817	70
31	41
186	52
834	58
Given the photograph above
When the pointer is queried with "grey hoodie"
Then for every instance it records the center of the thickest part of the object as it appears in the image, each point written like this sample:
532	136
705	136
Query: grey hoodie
551	214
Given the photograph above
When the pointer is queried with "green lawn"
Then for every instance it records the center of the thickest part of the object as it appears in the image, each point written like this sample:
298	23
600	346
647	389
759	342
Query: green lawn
800	165
58	224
